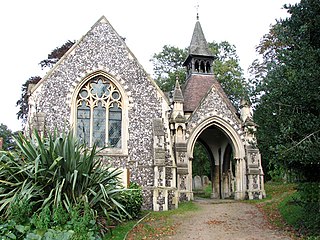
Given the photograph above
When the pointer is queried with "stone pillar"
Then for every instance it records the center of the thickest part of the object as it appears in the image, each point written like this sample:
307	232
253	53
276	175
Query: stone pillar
215	183
255	174
240	179
160	197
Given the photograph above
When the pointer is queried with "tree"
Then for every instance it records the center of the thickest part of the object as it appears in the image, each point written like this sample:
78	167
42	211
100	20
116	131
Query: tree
227	70
168	64
7	137
23	101
286	92
201	161
52	59
56	54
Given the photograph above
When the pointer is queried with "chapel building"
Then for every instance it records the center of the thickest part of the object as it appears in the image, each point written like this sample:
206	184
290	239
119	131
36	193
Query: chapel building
99	89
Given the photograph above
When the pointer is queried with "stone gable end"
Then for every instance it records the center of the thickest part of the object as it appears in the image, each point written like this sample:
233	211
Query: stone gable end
100	49
213	105
103	50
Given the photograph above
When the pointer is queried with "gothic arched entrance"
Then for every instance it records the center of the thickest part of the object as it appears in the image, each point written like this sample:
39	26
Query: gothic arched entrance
226	155
219	167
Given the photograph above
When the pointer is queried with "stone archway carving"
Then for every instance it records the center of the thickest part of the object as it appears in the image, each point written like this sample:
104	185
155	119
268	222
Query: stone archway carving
237	147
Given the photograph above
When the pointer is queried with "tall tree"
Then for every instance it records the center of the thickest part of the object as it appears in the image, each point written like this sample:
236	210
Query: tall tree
52	59
168	64
286	91
228	71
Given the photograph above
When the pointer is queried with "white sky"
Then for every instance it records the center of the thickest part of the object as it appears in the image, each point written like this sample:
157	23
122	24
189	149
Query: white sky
31	29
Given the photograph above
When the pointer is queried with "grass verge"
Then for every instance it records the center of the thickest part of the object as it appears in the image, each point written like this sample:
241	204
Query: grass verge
154	226
282	210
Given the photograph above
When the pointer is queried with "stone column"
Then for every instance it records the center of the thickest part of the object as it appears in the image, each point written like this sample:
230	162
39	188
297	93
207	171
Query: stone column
215	183
239	193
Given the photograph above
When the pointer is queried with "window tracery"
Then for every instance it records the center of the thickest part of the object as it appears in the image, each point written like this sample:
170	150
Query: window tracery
99	113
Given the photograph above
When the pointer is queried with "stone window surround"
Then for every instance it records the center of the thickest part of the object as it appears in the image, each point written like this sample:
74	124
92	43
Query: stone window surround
123	151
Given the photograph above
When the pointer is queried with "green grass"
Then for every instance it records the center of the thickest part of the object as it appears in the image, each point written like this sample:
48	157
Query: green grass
205	193
282	210
154	225
119	232
290	210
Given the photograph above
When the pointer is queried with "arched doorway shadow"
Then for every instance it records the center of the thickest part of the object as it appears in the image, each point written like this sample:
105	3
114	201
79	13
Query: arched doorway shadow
227	153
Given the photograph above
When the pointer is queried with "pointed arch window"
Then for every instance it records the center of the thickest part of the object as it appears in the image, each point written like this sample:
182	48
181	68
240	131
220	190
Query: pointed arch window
99	113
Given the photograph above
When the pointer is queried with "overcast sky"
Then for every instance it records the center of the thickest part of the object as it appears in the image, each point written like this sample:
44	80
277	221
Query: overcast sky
30	29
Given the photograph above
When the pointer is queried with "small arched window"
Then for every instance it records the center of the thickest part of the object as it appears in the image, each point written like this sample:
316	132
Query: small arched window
99	113
208	67
196	66
202	67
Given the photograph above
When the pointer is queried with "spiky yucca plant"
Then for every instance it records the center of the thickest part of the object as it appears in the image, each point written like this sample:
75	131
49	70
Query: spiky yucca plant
58	170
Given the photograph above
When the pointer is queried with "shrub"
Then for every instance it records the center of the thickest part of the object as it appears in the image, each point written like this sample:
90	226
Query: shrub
20	211
309	199
58	172
132	200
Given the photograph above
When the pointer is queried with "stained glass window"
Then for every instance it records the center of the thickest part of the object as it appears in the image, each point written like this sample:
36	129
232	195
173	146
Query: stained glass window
99	113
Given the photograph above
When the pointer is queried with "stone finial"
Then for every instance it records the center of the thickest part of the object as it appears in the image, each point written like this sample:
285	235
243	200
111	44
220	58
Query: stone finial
245	112
177	94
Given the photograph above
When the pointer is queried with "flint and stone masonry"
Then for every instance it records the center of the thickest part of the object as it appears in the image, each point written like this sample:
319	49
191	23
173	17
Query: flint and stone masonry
153	135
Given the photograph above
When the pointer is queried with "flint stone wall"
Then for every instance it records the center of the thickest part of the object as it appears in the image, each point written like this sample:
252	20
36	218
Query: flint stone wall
103	49
213	105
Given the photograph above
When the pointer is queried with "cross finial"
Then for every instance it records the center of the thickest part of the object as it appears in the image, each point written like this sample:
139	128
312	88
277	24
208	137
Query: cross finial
197	8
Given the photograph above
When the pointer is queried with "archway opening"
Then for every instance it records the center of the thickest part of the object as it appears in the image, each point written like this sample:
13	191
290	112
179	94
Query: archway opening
213	157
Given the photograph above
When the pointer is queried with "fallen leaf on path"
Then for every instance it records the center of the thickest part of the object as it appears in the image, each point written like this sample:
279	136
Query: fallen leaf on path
212	222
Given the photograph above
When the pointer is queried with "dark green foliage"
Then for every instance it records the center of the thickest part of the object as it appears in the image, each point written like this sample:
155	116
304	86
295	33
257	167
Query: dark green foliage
286	91
22	103
201	161
59	216
10	230
132	200
83	222
56	54
168	65
227	70
42	219
301	209
54	175
310	201
7	137
20	210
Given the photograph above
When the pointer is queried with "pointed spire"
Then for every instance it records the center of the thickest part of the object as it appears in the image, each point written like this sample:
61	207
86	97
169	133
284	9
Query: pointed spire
177	94
199	45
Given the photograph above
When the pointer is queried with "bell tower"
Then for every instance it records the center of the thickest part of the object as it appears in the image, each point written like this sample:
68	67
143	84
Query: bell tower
200	58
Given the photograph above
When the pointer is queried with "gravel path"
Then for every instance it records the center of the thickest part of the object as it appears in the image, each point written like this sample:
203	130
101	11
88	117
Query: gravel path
225	220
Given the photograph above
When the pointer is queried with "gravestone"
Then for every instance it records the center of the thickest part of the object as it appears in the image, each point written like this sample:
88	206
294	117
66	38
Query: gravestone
197	183
205	180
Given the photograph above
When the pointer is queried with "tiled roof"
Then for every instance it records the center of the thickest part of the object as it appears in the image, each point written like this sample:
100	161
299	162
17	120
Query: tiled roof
195	89
198	45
